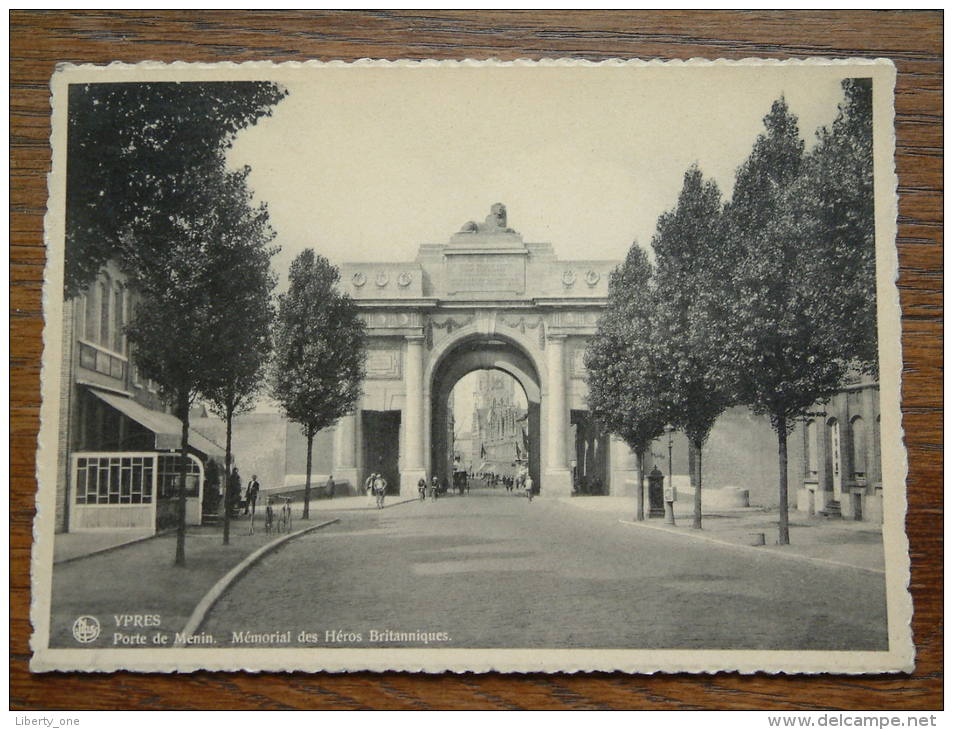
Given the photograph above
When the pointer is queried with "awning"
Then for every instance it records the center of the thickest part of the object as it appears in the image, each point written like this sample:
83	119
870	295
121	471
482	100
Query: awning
166	427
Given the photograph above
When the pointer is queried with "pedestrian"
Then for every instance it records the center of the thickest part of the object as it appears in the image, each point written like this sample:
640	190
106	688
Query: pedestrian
251	494
434	487
330	486
233	491
251	501
380	489
286	514
369	485
422	488
269	517
528	486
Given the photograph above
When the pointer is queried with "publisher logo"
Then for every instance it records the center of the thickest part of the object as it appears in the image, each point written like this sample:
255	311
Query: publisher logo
86	629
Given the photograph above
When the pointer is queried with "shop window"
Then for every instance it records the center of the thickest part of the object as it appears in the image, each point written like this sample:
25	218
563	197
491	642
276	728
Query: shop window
169	476
114	480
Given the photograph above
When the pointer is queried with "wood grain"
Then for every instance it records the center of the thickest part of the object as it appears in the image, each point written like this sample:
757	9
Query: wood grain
38	40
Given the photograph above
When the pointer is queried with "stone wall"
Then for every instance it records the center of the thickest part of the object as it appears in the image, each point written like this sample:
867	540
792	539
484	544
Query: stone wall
268	445
742	451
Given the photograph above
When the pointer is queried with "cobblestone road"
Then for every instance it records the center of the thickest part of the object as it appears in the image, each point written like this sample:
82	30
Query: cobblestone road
492	570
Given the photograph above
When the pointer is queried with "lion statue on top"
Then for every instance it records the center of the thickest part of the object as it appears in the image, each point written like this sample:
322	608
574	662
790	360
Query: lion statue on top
495	222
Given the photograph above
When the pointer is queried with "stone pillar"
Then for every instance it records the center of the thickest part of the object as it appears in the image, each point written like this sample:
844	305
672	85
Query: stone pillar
412	460
623	469
873	499
825	474
557	480
345	451
871	436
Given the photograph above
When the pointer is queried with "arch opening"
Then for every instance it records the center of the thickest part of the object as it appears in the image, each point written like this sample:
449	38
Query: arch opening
500	387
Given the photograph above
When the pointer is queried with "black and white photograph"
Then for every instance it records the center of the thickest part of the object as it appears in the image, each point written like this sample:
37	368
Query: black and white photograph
471	366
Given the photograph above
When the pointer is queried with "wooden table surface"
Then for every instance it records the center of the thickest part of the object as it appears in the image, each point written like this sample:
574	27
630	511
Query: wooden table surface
38	40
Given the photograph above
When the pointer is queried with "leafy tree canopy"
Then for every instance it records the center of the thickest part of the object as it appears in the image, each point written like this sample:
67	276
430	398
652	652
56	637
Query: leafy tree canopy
182	271
803	273
833	203
243	343
319	358
620	359
132	147
690	254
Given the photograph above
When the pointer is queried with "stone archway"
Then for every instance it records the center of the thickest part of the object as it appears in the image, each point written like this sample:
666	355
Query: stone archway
516	305
481	352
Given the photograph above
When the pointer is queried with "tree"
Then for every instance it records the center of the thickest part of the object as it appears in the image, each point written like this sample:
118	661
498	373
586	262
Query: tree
690	254
792	278
621	363
243	344
320	351
131	147
179	269
834	204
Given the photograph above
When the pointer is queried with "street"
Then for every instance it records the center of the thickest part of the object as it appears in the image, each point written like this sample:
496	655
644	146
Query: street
493	570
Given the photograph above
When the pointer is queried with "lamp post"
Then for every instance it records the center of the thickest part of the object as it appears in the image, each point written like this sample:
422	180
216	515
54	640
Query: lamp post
670	488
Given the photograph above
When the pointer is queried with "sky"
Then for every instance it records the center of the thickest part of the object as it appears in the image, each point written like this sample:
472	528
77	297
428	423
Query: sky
367	164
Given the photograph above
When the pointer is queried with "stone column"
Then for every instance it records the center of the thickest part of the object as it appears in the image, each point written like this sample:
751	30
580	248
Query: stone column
557	480
412	460
345	452
873	500
871	436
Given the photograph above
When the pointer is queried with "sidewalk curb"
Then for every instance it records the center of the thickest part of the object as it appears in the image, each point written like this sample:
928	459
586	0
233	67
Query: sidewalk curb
110	548
216	591
756	548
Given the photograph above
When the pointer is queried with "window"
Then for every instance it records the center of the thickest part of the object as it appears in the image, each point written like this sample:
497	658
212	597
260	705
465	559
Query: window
859	447
169	476
810	448
89	314
103	315
114	480
118	317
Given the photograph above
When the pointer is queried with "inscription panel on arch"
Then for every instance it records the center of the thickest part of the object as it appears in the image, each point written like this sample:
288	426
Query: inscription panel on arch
383	363
482	273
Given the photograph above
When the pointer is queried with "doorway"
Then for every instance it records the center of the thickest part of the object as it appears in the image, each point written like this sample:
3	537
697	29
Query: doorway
834	458
381	446
591	470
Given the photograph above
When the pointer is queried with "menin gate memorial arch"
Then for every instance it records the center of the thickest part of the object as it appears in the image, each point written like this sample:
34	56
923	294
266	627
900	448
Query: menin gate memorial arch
484	300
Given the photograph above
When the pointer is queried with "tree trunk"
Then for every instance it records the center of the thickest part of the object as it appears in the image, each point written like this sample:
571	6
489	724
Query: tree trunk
697	522
228	474
307	478
183	408
640	488
784	537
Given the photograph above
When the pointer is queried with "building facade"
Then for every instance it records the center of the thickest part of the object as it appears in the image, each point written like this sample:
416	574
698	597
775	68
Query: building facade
840	466
117	467
500	427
